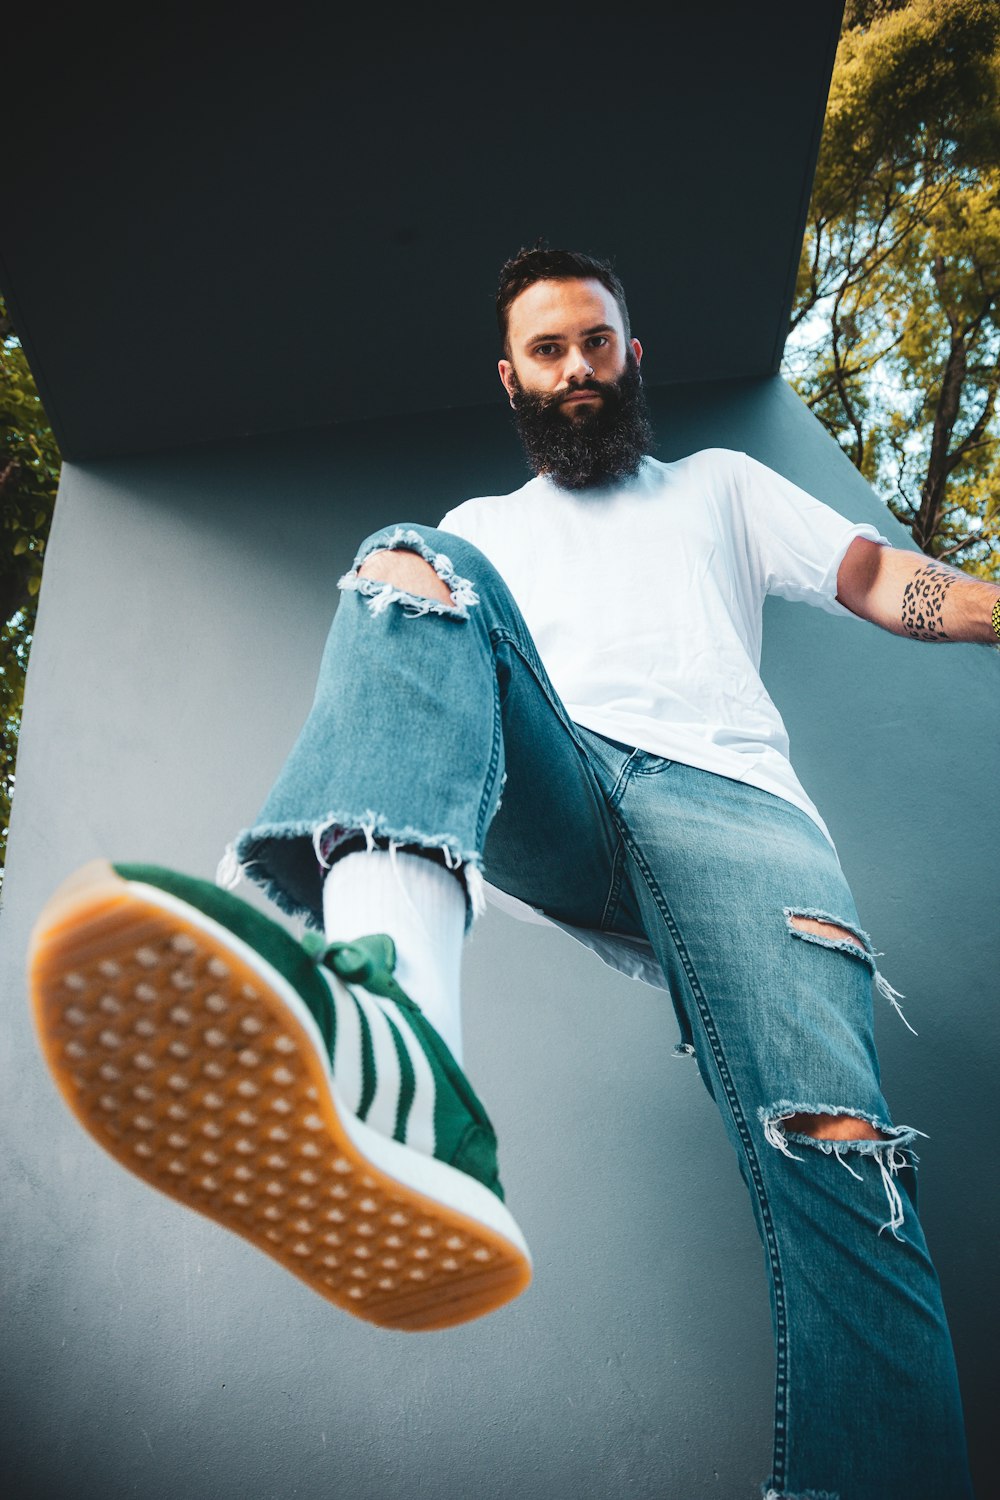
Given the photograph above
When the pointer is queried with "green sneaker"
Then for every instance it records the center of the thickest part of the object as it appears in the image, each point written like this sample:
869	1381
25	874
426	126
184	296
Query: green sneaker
290	1091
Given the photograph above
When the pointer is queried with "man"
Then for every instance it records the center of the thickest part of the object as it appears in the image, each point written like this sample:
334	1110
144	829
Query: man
558	689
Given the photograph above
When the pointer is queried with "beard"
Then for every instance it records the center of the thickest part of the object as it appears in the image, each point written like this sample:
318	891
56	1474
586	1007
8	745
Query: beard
595	446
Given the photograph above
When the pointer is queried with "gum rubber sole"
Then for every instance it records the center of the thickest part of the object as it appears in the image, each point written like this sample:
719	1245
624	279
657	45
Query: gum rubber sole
184	1062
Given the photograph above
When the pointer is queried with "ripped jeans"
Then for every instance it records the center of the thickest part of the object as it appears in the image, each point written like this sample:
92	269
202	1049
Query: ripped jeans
423	712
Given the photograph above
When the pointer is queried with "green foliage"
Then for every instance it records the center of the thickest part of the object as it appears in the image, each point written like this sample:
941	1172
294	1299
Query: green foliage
895	333
29	476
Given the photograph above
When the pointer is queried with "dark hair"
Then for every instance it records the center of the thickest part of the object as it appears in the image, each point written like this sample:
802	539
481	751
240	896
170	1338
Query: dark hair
538	264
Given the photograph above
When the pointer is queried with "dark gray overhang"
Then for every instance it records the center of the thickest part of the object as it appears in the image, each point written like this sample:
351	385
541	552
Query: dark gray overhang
257	220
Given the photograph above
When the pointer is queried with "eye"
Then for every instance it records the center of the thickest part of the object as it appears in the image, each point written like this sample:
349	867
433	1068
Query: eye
545	349
598	341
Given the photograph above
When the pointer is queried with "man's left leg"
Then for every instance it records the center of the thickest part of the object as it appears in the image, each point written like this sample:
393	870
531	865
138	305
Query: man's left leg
746	906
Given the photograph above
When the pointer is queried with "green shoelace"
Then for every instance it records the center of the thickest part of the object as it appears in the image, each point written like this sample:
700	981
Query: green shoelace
368	961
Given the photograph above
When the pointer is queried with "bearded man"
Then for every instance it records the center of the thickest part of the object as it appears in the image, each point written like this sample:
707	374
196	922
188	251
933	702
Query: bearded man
584	651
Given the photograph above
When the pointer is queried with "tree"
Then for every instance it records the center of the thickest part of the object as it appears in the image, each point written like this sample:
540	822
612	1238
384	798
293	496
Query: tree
895	332
29	476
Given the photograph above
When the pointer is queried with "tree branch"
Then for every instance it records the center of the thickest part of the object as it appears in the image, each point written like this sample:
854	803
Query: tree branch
841	386
945	416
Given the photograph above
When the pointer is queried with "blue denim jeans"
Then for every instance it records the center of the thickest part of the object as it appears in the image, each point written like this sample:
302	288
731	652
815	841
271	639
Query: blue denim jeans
424	713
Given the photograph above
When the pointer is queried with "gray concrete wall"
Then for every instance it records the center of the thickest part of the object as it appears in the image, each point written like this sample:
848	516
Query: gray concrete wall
185	605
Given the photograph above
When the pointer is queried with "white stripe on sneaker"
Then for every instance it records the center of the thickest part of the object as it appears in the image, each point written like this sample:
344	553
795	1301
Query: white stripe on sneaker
347	1063
420	1124
388	1078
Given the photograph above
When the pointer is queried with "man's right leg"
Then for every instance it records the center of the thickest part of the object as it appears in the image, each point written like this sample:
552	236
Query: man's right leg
163	1007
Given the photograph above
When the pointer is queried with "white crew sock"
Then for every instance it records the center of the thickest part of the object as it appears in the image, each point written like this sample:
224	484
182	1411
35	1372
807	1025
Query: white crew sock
421	905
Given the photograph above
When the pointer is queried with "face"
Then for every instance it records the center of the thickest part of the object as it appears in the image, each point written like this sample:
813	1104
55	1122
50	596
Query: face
562	334
573	381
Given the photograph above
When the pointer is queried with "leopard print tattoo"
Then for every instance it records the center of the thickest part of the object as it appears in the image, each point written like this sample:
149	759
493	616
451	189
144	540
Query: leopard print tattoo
923	601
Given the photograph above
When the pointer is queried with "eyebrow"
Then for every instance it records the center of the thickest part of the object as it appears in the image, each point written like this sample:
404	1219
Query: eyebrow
548	338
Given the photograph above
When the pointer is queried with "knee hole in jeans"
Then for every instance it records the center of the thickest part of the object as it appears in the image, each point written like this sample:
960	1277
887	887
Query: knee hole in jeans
408	571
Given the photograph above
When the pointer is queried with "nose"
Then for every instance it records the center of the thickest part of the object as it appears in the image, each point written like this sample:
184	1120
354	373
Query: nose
577	367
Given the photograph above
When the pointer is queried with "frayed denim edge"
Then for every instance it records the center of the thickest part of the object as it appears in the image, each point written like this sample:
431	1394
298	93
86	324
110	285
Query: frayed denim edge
381	594
770	1493
235	864
891	1155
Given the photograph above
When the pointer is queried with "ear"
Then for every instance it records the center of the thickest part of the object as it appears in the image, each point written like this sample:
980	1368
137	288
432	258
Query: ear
636	350
506	370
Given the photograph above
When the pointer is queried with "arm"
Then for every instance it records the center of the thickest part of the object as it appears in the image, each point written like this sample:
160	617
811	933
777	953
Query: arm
911	594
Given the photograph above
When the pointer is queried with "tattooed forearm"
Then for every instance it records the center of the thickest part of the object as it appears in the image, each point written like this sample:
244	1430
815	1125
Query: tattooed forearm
914	595
923	602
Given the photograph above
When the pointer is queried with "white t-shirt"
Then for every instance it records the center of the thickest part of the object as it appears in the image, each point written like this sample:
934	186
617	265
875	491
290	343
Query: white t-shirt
644	601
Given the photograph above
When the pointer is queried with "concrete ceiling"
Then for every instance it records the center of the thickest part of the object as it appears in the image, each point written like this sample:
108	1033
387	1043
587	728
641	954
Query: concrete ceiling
253	221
